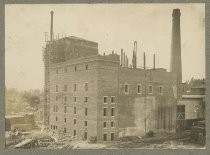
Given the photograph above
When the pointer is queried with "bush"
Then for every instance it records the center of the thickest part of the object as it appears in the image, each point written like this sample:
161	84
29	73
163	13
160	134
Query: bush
150	134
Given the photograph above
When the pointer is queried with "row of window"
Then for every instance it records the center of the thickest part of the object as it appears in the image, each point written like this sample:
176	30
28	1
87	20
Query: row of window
74	99
57	71
105	124
106	99
139	89
55	109
105	111
105	135
65	88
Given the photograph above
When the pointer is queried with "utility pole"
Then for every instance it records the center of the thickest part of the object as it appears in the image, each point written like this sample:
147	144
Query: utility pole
145	97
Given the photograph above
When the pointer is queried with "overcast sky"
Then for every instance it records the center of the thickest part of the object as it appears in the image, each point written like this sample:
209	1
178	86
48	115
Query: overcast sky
113	26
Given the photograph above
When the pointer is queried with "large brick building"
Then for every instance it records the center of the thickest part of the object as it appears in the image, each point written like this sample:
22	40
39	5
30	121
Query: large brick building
92	95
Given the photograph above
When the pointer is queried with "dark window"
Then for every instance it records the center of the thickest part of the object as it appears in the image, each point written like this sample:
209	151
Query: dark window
86	86
65	88
65	120
75	68
126	88
65	98
75	110
56	127
104	124
105	137
150	89
56	118
139	89
112	99
75	99
86	111
160	89
180	112
75	132
65	70
56	88
105	99
105	112
64	130
75	87
56	98
112	136
65	109
86	67
86	99
112	124
85	123
56	71
112	111
75	121
85	135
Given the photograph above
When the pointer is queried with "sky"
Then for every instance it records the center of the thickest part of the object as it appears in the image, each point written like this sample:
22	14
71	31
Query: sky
113	26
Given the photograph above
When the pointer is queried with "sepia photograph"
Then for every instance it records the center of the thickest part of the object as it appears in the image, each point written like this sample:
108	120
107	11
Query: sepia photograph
105	76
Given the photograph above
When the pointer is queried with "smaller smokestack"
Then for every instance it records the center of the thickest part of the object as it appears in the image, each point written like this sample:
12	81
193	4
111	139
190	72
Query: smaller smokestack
154	61
51	26
121	57
144	61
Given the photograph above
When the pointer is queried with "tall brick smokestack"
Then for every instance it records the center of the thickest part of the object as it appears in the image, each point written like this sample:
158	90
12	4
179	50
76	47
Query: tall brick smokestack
51	26
176	63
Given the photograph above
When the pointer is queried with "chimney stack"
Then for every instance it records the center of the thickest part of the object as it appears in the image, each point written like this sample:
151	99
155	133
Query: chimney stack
176	64
121	57
134	60
51	26
144	61
154	61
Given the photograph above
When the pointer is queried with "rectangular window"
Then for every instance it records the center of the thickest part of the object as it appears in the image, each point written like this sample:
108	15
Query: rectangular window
56	98
64	130
112	112
65	87
75	110
75	68
86	99
86	67
75	121
126	88
104	124
112	124
150	89
56	71
65	109
86	111
75	132
85	123
85	135
56	118
56	127
105	112
139	89
65	120
56	88
75	87
75	99
112	136
105	99
65	70
160	89
105	137
86	86
112	99
53	127
65	98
